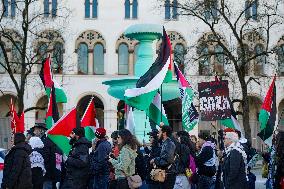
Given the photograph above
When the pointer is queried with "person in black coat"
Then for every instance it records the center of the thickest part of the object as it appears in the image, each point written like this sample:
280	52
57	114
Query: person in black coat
99	160
151	154
49	150
234	171
17	172
77	163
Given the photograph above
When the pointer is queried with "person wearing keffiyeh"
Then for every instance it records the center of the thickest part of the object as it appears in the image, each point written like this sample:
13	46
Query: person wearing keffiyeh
234	167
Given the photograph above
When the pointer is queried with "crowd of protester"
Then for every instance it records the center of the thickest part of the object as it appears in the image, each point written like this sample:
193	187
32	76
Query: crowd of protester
170	160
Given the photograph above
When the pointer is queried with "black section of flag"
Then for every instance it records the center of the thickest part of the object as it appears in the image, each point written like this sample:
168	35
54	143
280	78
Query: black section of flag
164	55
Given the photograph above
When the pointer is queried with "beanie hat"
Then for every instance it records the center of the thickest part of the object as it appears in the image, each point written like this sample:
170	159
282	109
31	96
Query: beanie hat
100	133
229	130
19	137
232	136
79	131
114	135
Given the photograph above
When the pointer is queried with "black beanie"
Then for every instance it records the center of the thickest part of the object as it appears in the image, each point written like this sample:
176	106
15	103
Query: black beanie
19	137
79	131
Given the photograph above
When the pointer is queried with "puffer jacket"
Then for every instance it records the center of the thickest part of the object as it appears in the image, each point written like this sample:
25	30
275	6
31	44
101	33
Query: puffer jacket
17	172
99	158
167	156
77	165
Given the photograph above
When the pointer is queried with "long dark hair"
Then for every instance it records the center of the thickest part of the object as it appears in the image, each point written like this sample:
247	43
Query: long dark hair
127	139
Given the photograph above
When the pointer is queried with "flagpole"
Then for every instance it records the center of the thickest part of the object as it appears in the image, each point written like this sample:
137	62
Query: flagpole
161	102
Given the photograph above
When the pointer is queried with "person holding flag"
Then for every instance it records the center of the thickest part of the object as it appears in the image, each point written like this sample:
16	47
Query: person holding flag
77	163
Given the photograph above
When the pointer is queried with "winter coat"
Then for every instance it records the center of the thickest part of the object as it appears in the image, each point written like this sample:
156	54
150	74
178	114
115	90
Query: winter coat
49	158
234	171
99	158
124	165
182	161
167	156
205	161
17	172
151	154
140	165
77	165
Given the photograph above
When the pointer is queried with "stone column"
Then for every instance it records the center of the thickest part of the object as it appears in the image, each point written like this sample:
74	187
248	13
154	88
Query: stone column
90	62
110	121
131	62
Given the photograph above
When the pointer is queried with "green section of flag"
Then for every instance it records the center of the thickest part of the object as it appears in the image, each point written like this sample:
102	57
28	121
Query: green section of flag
187	100
169	76
62	142
59	93
89	133
156	115
228	123
141	102
263	118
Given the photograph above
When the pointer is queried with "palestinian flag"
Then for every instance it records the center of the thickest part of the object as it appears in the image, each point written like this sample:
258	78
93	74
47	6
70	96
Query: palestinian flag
52	116
17	123
130	124
156	111
48	81
88	120
65	124
189	112
232	122
267	114
147	86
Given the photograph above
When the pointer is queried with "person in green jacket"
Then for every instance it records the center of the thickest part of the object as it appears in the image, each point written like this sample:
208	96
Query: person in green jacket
124	165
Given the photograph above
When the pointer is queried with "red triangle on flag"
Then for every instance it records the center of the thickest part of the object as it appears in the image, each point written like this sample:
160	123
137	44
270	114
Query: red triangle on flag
47	73
65	124
89	117
269	97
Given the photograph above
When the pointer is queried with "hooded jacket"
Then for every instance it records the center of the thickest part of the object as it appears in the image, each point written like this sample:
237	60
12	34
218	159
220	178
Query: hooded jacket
77	165
17	172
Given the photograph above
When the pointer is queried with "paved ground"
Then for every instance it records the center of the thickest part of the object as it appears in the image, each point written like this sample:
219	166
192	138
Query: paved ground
260	182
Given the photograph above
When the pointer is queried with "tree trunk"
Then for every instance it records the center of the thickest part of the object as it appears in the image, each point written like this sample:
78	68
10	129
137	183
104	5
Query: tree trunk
245	106
20	103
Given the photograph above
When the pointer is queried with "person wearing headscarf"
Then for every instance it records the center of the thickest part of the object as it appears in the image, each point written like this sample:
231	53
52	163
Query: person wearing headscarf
234	166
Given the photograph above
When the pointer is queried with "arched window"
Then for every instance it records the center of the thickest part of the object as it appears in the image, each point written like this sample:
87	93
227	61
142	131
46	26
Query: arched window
98	59
13	8
280	54
123	59
95	9
2	60
204	62
210	9
254	10
83	58
247	9
219	59
179	52
135	9
87	8
260	60
46	8
57	59
127	8
167	9
175	7
6	6
43	47
16	52
54	8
